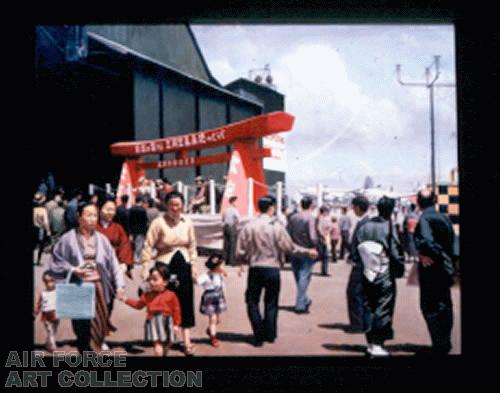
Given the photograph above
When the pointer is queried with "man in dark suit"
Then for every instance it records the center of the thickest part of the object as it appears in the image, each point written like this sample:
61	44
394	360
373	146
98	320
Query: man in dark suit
138	226
437	252
122	213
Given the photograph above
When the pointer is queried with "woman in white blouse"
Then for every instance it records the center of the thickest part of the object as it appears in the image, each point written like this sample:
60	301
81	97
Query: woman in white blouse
170	239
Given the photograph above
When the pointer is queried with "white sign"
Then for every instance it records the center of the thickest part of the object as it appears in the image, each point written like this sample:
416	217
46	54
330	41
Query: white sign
275	142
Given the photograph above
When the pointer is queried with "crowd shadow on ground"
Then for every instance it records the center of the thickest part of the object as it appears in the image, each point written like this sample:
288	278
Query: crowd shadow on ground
227	337
131	347
287	308
135	347
407	347
339	326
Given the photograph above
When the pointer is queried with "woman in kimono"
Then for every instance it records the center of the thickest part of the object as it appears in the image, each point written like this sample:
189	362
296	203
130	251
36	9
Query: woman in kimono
88	256
170	239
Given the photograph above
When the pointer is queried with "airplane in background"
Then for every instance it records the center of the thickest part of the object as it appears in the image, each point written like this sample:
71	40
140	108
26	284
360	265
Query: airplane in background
343	196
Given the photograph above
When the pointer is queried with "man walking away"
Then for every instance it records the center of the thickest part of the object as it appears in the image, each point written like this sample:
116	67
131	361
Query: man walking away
357	310
437	253
230	219
122	213
335	237
260	243
345	227
138	225
56	221
376	246
302	230
409	225
71	213
152	210
324	226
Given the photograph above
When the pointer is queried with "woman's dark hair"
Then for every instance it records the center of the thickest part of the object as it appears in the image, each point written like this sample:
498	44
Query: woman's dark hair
174	194
265	203
82	205
385	206
323	209
103	199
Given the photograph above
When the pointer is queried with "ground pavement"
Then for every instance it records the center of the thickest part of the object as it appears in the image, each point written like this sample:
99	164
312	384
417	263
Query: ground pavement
320	333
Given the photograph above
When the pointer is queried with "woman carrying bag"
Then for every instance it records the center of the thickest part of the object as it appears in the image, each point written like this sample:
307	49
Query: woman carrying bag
85	255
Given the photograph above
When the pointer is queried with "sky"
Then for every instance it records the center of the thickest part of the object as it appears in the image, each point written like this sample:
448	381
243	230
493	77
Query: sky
352	117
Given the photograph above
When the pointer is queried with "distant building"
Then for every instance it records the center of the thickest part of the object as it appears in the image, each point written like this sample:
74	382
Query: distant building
101	84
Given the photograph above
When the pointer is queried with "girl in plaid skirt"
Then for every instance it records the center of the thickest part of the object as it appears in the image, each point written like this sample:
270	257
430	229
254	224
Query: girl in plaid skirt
163	310
213	301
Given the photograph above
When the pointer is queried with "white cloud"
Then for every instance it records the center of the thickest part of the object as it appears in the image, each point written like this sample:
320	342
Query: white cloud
410	40
328	104
340	84
224	68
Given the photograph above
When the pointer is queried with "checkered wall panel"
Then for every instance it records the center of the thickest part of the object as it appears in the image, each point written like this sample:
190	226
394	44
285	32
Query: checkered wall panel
448	202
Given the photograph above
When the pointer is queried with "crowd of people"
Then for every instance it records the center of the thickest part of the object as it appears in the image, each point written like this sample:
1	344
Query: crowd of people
377	246
94	240
200	201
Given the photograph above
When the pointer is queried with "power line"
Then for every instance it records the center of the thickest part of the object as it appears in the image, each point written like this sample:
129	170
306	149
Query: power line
429	84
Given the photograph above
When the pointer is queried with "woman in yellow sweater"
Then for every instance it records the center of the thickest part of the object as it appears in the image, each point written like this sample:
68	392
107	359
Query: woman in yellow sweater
170	240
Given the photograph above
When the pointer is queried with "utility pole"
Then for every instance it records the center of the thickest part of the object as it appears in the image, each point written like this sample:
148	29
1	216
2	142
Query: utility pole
429	84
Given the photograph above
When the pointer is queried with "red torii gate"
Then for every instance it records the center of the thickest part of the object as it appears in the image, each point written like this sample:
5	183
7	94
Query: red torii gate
246	155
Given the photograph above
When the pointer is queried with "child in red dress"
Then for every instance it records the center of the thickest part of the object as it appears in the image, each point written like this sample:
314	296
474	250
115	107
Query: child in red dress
163	310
